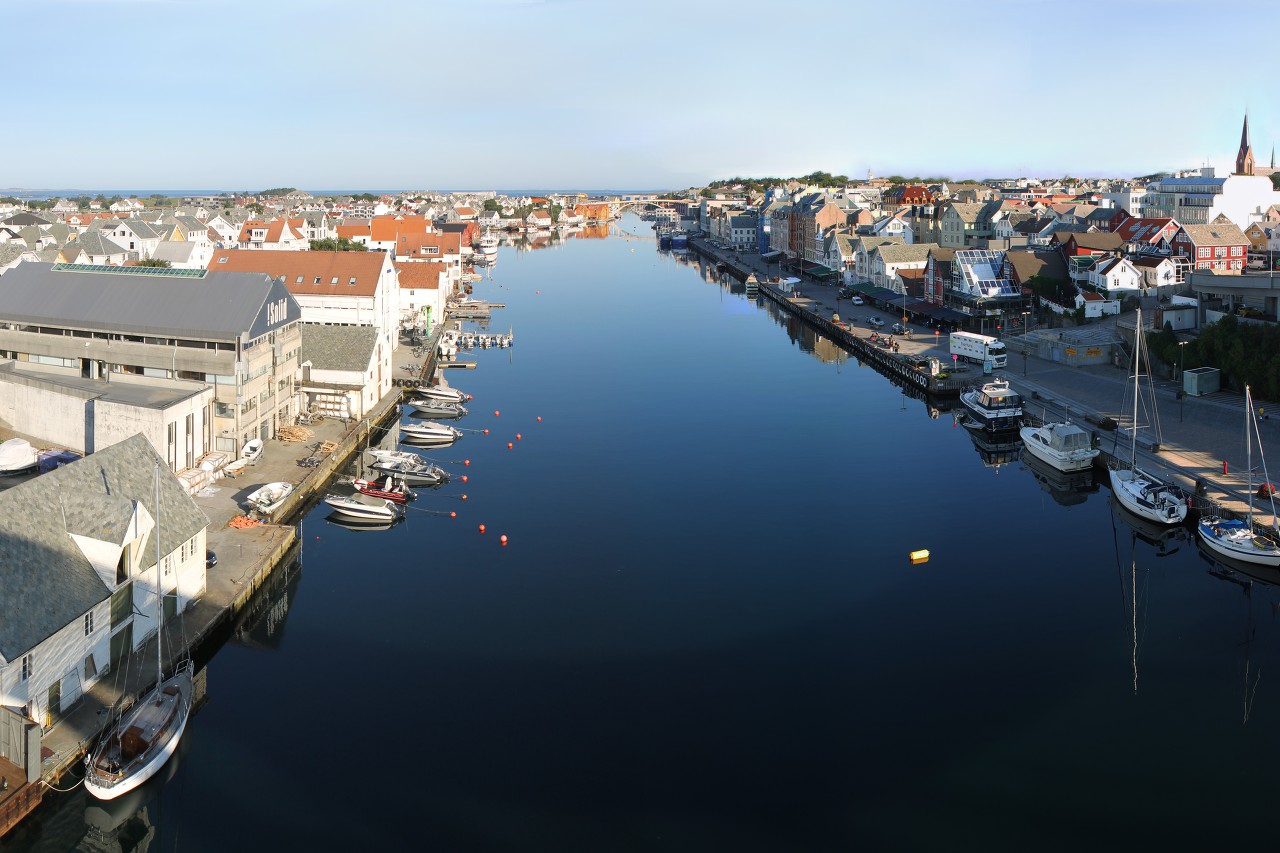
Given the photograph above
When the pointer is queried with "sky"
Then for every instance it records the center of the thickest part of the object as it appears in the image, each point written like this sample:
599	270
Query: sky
596	94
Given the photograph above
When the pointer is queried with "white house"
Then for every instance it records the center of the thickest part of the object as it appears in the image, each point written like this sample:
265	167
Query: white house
1116	277
133	235
887	260
424	290
78	581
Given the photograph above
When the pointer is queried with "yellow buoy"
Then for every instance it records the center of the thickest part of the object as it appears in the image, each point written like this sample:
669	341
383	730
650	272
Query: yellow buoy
919	557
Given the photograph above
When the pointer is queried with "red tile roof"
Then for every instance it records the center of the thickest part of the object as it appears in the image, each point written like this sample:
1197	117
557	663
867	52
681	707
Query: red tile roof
317	270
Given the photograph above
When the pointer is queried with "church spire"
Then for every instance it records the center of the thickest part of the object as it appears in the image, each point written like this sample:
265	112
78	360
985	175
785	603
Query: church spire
1244	158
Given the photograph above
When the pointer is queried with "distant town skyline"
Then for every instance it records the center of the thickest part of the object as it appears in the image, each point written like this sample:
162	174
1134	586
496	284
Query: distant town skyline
582	94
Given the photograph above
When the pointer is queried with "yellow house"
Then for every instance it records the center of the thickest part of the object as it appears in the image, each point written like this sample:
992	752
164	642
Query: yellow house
1257	235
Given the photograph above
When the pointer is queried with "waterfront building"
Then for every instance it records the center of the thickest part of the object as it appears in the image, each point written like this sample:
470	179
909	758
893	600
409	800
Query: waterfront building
887	259
424	290
336	289
864	246
77	572
86	327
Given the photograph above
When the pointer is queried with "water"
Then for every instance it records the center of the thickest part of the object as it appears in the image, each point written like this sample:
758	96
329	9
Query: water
705	633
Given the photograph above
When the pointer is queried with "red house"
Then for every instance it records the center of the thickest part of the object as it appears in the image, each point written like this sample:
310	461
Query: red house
1220	245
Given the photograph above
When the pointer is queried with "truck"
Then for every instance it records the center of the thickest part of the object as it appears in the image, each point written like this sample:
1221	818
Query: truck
979	348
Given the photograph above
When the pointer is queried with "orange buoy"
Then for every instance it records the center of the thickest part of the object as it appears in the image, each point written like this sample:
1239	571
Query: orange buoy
453	515
503	539
495	413
510	445
482	528
518	436
466	461
464	478
464	497
469	397
486	432
539	418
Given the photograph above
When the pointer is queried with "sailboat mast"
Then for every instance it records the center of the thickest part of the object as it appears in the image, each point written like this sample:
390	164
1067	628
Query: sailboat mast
1248	447
159	584
1137	360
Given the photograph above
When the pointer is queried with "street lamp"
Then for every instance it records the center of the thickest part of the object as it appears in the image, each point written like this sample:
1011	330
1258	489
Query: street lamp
1025	315
1182	391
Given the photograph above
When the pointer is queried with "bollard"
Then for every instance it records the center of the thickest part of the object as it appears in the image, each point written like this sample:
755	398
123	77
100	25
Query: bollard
1224	466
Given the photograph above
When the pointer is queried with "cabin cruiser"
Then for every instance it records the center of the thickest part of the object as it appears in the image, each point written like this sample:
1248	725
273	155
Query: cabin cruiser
1065	446
994	407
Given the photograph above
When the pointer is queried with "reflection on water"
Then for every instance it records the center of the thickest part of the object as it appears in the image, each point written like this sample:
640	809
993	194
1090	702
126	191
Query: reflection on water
995	450
1066	489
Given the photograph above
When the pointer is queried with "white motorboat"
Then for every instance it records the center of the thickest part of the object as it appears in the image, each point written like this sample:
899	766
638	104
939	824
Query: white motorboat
438	408
144	737
443	393
402	455
1232	537
1065	446
430	431
268	498
352	507
17	456
995	406
252	450
1144	494
420	473
487	244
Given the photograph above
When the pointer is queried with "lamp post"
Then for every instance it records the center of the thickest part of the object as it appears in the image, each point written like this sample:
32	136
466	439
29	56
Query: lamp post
1182	391
1025	315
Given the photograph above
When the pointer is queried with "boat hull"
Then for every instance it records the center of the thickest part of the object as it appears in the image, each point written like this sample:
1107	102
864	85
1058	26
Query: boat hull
1074	460
437	409
421	477
1146	497
1235	540
361	512
183	679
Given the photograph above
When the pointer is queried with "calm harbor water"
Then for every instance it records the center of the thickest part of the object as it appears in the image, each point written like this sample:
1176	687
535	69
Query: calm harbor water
705	633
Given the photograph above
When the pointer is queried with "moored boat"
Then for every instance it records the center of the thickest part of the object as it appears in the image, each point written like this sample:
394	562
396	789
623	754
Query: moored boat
420	473
391	490
1065	446
353	508
443	393
430	431
438	408
1141	493
995	407
1237	538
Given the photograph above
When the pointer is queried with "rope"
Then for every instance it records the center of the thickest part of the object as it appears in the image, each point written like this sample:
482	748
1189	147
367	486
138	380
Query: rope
78	783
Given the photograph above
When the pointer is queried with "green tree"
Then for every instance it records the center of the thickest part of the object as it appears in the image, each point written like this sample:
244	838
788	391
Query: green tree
257	208
341	244
153	262
493	205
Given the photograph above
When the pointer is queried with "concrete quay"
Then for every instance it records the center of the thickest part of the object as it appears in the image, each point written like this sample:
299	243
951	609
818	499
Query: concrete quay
247	559
1198	434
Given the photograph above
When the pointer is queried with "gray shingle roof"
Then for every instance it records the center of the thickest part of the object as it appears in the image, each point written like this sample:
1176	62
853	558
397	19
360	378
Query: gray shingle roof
219	306
96	244
45	581
337	347
908	254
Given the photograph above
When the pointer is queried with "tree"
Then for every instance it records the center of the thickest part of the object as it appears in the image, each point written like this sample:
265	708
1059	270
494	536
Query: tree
342	244
277	191
153	262
493	205
257	208
555	212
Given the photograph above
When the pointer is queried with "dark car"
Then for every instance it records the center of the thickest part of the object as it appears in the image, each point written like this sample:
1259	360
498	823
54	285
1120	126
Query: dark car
210	559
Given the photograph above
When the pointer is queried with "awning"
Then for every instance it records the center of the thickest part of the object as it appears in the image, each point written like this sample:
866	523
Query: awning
776	253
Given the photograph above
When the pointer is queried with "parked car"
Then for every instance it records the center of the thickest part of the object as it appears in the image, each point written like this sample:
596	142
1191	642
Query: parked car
210	559
857	300
898	329
876	322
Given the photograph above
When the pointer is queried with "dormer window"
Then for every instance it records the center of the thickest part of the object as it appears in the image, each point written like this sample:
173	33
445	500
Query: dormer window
333	280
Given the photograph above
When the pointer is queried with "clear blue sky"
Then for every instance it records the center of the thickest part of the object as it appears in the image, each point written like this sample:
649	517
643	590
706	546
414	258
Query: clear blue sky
246	94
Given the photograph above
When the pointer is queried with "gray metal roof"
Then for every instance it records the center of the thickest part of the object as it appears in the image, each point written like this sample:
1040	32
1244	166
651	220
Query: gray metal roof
337	347
215	306
45	581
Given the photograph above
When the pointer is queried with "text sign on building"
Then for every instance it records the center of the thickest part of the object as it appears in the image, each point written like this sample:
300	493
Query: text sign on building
277	312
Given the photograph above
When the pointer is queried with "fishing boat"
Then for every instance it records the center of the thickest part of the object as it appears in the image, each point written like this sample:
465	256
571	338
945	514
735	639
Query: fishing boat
1063	445
268	498
144	737
995	407
487	244
438	408
351	507
1235	538
430	431
443	393
1141	493
390	490
420	473
17	456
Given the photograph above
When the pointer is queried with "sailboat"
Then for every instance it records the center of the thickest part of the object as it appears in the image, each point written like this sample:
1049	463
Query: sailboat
144	737
1141	493
1234	538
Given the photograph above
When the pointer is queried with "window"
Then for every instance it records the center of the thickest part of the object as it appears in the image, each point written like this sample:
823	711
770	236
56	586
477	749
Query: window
299	281
317	281
88	623
333	280
28	666
352	283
